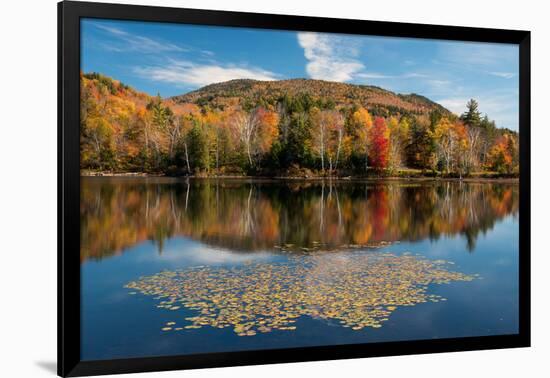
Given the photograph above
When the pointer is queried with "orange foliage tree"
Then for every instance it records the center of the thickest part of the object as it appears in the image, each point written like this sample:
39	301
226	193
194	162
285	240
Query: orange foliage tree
502	156
361	122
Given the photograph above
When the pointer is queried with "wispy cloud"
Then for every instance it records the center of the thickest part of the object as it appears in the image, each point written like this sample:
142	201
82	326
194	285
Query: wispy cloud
413	75
123	42
434	83
330	57
501	107
189	74
477	54
376	75
504	75
207	53
373	75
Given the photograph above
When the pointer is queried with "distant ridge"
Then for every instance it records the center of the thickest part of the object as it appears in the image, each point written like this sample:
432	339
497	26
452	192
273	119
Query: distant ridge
380	101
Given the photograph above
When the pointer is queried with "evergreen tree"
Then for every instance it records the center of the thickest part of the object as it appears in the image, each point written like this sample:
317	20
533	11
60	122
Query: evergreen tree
472	116
198	148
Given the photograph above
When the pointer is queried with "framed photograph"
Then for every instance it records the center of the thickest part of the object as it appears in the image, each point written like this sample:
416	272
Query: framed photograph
239	188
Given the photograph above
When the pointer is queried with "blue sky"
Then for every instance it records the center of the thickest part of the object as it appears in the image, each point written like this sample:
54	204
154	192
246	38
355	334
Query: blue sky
172	59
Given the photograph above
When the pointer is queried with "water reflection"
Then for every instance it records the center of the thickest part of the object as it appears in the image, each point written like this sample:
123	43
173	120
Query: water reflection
117	213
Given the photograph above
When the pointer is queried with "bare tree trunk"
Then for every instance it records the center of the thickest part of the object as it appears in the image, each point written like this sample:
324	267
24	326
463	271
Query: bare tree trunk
322	148
146	133
322	209
187	157
249	221
366	157
338	208
187	196
217	151
340	135
248	153
322	160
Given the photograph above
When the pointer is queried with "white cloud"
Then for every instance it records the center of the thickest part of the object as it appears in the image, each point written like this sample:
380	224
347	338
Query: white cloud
189	74
504	75
330	57
131	42
334	58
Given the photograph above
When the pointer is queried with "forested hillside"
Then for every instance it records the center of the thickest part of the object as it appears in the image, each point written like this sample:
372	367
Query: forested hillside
251	93
297	127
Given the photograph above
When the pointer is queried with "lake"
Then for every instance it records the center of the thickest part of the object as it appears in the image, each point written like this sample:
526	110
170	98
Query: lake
174	266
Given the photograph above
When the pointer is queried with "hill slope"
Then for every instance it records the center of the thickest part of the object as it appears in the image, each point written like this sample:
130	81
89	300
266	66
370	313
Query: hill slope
379	101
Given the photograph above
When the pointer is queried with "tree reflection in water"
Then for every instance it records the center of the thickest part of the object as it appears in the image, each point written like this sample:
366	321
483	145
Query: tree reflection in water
241	215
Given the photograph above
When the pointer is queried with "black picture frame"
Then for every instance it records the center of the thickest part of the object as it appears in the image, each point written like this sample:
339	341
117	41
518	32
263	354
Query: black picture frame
69	15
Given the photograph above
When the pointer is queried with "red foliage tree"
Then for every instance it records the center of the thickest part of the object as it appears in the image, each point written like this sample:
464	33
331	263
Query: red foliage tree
380	144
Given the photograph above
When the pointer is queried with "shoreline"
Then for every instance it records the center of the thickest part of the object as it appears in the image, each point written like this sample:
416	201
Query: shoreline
307	178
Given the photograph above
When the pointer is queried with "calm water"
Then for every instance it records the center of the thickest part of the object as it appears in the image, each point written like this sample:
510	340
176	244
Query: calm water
175	266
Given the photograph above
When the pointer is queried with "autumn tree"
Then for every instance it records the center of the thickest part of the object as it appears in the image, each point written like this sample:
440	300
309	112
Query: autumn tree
446	140
461	148
452	147
245	126
361	123
268	131
488	135
328	132
256	131
173	129
473	148
335	138
320	133
420	151
100	133
144	122
503	154
185	125
399	136
161	119
380	144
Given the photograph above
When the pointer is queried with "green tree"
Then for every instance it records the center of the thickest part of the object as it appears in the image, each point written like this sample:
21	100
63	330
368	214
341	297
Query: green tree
471	117
421	150
198	148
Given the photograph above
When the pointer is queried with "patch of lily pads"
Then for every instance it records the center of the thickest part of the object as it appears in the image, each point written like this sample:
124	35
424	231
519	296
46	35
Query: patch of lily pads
357	291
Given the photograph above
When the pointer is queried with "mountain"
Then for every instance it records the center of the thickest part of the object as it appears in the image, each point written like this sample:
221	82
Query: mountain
377	100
